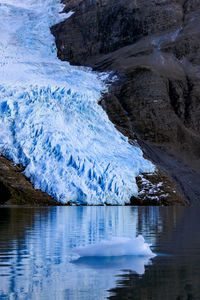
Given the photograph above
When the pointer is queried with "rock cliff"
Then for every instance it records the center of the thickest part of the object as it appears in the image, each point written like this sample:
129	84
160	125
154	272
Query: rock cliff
153	46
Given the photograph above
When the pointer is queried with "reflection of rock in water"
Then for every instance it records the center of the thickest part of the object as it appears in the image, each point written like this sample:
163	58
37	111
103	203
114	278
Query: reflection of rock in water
159	282
153	219
169	277
14	223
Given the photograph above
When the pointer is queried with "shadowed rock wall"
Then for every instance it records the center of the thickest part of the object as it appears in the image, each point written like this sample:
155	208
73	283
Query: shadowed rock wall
155	45
154	48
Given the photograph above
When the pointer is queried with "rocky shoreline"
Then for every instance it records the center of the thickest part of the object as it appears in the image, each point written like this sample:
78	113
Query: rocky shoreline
15	189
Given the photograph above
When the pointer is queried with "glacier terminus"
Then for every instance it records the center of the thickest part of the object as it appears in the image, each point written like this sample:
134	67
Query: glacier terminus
50	119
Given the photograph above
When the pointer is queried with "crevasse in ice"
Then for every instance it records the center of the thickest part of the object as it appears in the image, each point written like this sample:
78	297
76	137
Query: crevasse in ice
50	120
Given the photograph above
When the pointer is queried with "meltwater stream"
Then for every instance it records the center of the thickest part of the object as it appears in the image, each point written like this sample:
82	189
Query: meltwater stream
50	120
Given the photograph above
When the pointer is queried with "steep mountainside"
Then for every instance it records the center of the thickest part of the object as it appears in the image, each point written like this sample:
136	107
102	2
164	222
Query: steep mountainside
154	49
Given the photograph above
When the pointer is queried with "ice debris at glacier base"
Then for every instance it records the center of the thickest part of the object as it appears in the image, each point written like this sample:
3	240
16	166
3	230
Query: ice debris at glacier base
50	120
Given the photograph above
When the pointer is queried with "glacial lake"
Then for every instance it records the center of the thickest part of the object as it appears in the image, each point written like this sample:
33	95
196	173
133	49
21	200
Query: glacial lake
37	261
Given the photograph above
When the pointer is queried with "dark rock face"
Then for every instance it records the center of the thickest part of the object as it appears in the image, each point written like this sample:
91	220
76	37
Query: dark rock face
5	193
154	47
103	26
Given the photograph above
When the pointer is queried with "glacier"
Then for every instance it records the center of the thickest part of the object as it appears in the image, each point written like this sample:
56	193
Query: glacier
50	119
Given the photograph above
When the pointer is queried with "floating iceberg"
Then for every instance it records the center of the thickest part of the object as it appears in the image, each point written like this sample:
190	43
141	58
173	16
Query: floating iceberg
115	254
117	246
50	120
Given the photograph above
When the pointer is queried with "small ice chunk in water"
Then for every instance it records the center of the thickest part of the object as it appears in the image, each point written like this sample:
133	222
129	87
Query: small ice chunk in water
117	246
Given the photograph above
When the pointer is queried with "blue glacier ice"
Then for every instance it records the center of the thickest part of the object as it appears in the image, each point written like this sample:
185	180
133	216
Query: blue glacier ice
50	120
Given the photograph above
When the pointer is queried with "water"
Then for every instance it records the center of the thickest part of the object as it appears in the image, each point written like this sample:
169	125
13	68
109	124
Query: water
50	120
37	262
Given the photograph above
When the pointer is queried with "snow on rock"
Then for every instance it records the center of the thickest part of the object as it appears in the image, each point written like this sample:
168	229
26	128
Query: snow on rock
50	120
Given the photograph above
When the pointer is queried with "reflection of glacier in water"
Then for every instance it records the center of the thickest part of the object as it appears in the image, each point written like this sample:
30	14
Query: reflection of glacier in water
41	264
114	265
49	117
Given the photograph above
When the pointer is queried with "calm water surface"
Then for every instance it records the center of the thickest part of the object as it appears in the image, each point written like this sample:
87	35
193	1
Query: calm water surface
36	259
